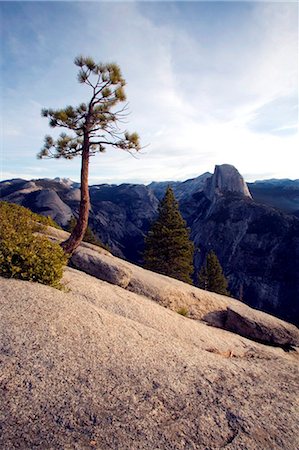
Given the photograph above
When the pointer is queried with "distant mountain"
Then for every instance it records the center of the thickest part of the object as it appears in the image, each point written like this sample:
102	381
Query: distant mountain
181	189
257	244
281	194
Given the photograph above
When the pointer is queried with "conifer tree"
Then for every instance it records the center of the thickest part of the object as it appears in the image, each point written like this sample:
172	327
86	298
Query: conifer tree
93	126
211	277
168	249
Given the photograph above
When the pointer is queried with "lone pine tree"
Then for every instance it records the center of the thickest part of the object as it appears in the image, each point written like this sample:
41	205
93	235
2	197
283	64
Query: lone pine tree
168	249
94	126
211	277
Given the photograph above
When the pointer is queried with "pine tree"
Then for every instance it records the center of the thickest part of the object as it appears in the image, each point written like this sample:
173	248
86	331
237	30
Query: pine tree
211	277
92	126
168	249
203	278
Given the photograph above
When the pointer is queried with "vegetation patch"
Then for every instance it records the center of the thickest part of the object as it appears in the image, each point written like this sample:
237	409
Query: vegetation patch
183	311
23	254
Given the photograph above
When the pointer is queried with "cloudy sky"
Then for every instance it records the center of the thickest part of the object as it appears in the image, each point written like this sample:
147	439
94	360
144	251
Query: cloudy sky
207	83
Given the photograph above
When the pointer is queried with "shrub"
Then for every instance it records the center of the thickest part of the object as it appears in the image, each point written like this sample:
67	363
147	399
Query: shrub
183	311
18	210
24	255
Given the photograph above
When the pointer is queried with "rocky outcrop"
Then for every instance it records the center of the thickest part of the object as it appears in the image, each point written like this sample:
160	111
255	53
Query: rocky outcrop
261	327
226	178
168	292
101	266
94	260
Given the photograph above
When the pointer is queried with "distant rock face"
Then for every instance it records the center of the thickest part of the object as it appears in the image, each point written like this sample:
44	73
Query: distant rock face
226	178
281	194
121	215
49	202
182	190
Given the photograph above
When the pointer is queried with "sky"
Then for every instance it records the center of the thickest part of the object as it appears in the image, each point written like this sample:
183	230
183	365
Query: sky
208	83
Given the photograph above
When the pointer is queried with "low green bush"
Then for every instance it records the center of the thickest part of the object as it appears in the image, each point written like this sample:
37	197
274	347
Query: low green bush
25	255
183	311
17	210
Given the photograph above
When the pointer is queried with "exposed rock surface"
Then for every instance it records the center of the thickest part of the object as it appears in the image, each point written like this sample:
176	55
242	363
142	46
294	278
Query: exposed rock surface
166	291
226	178
260	326
101	367
101	266
95	261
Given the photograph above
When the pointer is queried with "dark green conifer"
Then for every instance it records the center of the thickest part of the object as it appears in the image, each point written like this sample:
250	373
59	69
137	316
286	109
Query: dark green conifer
211	277
168	249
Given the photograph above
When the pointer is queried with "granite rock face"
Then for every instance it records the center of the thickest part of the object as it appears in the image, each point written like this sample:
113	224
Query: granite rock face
101	266
101	367
261	327
281	194
258	248
226	178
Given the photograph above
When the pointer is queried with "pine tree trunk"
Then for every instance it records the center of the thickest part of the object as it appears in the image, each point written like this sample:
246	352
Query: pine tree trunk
75	239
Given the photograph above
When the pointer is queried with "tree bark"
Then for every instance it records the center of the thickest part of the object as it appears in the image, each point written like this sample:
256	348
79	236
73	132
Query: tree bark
75	239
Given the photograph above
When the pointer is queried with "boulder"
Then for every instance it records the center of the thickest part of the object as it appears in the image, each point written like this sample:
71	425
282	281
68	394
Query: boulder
261	327
101	266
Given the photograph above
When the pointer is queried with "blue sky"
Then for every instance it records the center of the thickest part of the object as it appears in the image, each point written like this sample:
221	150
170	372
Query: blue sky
207	83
